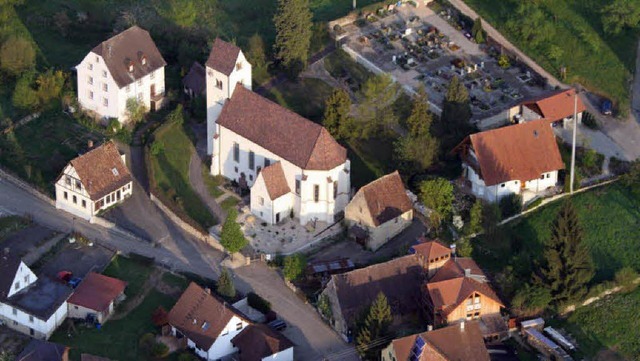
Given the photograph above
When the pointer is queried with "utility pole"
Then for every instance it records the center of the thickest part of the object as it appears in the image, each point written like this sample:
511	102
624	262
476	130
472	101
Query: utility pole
573	143
354	4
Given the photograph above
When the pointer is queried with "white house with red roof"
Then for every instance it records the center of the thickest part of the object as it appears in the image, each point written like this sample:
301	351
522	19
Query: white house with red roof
557	108
126	66
252	133
518	159
97	294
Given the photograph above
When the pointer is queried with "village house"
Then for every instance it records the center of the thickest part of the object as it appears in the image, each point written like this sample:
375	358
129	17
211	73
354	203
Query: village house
352	292
96	295
93	182
557	108
309	178
194	83
206	324
379	211
125	68
519	159
32	305
260	343
462	342
37	350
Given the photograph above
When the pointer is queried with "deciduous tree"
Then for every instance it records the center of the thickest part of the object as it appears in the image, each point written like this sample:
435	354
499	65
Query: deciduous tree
437	195
256	52
225	285
456	113
24	96
419	149
568	266
135	110
336	114
17	55
293	34
294	266
475	218
620	14
231	236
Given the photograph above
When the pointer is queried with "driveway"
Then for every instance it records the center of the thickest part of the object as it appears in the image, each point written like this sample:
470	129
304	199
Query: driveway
78	258
359	256
314	340
27	240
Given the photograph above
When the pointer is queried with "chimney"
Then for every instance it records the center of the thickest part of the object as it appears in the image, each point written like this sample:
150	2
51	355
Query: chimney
467	272
89	144
207	290
462	326
429	327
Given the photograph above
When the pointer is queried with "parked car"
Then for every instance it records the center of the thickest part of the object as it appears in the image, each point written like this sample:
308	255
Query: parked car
65	276
277	325
606	107
74	282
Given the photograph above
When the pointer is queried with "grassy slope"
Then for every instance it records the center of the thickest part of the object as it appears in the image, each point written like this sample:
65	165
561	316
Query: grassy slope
609	216
170	171
606	70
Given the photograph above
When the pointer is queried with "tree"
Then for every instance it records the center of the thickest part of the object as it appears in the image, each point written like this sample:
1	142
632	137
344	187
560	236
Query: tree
632	178
17	55
477	32
531	300
474	225
510	205
530	24
464	248
620	14
375	326
6	356
375	112
293	34
225	285
135	110
419	148
568	266
50	85
24	96
336	114
231	236
437	195
256	52
456	113
294	266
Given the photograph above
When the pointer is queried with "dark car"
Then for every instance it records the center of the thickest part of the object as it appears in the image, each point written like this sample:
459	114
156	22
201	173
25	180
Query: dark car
277	325
74	282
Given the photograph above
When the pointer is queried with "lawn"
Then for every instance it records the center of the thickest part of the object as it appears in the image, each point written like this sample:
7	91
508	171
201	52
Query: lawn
611	322
169	174
370	159
39	150
229	203
133	272
603	63
213	183
609	216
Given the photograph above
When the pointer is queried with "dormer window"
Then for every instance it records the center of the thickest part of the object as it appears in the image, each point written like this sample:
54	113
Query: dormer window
115	172
143	60
130	67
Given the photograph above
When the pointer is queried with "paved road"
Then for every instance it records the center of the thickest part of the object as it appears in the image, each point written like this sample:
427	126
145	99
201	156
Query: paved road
314	338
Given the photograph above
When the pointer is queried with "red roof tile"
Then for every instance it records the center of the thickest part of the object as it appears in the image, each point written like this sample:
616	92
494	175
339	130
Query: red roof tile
516	152
223	56
97	291
258	341
275	181
449	294
281	131
200	316
386	198
431	249
456	267
129	47
450	343
556	106
101	170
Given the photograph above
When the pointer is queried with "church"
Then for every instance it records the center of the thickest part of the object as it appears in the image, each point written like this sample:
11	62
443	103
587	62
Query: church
292	166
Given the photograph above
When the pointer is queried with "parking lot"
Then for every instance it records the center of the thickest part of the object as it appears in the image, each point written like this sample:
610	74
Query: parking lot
418	47
78	258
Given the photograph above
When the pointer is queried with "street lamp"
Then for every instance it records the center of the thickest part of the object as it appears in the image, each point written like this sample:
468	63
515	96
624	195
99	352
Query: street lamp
573	142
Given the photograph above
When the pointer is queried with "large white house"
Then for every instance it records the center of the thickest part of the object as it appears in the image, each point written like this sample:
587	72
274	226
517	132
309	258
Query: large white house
225	68
93	181
31	305
207	324
127	66
517	159
309	169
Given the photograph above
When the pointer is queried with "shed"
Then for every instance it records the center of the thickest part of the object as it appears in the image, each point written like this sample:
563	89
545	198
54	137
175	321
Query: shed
97	294
194	83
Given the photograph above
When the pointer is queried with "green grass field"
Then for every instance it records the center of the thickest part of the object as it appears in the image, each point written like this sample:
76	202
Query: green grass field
39	150
131	271
603	63
170	173
609	216
610	322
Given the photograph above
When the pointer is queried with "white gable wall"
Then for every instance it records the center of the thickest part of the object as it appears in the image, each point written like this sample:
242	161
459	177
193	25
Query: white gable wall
217	96
23	278
222	345
92	66
495	192
285	355
25	323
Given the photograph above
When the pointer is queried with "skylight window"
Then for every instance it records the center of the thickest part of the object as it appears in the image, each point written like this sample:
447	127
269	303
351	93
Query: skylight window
115	172
205	326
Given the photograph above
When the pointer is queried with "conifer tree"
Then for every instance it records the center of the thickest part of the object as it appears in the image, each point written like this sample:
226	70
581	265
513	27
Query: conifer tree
375	326
568	266
293	34
225	285
231	236
336	114
456	112
419	148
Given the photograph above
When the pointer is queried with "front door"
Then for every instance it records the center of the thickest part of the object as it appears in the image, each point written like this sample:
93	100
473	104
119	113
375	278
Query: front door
277	217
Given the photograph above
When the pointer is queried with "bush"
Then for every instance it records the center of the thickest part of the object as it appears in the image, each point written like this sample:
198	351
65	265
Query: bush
589	121
258	303
626	278
17	54
159	349
510	205
618	166
531	300
294	266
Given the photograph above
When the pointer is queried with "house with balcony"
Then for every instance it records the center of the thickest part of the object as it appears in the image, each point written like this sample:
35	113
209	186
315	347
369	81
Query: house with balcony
126	68
519	159
32	305
379	211
94	181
